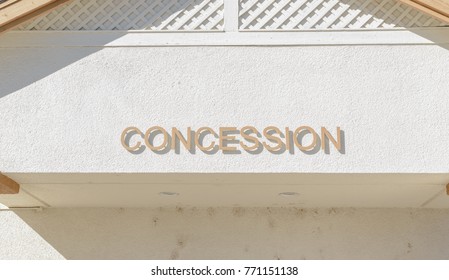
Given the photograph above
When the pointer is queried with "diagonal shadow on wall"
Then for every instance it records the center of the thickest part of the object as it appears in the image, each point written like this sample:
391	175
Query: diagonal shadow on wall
22	64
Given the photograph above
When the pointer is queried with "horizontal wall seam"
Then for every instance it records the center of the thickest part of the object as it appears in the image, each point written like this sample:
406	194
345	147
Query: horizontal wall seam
108	39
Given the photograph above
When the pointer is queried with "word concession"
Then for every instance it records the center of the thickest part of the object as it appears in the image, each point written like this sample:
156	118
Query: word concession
231	139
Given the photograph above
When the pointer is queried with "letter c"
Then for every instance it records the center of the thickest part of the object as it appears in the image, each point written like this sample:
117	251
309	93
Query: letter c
133	130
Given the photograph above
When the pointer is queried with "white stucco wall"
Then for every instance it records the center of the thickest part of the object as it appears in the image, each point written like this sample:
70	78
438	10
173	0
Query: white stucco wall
225	233
63	108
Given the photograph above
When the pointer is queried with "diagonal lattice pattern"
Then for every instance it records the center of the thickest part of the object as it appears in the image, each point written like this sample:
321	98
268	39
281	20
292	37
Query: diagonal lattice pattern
133	15
330	14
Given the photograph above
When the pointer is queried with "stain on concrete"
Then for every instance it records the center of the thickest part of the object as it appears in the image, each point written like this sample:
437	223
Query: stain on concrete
409	247
211	211
181	242
155	221
413	214
238	212
271	223
174	255
299	212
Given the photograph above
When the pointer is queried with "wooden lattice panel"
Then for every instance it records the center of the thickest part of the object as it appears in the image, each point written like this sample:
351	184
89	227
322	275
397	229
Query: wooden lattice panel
330	14
133	15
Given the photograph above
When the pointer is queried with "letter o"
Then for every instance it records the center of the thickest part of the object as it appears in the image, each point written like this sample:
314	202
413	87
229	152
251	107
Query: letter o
147	138
311	131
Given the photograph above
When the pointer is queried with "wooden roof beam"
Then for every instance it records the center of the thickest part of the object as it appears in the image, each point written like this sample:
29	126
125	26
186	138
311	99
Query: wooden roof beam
16	12
436	8
8	185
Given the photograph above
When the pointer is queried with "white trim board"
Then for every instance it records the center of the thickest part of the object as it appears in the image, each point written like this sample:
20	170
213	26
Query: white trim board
416	36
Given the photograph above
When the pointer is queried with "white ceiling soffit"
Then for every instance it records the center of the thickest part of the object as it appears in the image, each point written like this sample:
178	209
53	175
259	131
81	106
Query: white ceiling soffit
230	190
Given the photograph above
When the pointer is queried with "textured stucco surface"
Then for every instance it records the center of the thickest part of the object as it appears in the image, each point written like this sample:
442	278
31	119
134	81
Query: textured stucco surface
63	109
225	233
